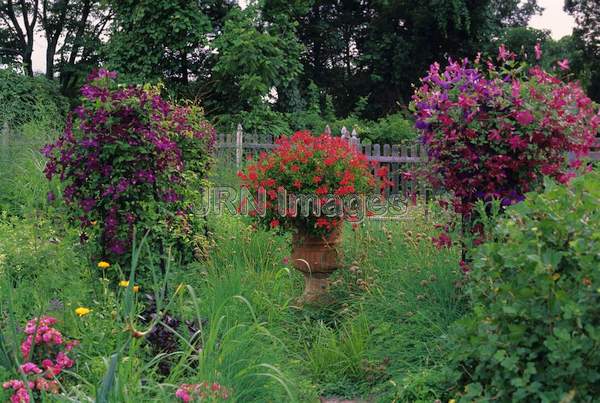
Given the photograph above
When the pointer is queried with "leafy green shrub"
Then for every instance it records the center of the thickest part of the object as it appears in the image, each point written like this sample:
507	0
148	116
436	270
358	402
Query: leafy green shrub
26	98
535	330
393	129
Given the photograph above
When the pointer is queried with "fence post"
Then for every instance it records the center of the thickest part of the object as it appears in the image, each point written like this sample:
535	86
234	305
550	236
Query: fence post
354	140
345	133
239	145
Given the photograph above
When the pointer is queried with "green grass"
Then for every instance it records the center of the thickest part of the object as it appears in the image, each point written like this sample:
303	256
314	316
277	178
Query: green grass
383	338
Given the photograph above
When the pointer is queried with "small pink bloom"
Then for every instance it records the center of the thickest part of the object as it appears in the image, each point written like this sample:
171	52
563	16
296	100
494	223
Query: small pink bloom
566	178
13	384
64	361
26	346
71	345
516	143
516	88
183	395
524	118
30	368
538	51
503	54
21	396
564	64
575	164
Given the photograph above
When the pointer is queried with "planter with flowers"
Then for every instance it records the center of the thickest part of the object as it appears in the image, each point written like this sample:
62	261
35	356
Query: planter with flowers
324	173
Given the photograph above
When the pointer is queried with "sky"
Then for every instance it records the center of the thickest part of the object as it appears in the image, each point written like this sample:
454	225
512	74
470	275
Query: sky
554	19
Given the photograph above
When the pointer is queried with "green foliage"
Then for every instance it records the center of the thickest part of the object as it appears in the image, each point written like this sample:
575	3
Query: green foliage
534	331
392	129
26	99
153	39
252	61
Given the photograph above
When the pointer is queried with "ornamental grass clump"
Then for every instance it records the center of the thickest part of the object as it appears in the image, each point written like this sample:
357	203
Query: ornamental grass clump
325	169
128	158
494	131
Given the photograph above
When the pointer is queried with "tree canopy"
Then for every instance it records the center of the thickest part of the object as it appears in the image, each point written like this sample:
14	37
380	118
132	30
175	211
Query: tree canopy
276	58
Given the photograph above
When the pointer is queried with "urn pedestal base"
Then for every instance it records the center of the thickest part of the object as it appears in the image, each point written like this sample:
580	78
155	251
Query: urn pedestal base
317	258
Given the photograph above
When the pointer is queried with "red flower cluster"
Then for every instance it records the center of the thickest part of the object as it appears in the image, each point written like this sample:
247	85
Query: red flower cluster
324	167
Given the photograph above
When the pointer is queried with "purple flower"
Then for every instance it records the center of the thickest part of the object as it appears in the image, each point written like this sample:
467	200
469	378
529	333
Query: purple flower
421	125
117	247
88	204
122	186
170	196
50	197
47	150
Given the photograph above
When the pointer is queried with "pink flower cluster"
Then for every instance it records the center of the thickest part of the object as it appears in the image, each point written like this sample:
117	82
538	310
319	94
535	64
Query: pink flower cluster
41	377
494	131
201	391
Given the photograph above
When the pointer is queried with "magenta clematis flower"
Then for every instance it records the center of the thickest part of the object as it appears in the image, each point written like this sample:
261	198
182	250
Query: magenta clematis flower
564	64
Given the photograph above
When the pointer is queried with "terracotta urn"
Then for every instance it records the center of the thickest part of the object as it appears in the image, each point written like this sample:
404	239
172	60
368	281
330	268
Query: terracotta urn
317	257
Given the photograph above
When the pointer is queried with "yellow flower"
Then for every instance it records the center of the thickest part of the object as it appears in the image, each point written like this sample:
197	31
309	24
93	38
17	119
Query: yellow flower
136	288
124	283
452	401
104	265
93	222
81	311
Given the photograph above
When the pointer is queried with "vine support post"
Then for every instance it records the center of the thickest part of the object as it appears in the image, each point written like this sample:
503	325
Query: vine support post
239	145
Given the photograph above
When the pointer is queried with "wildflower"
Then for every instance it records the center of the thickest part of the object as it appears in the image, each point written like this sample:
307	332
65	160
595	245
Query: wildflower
103	265
563	64
136	288
538	51
503	54
82	311
30	368
124	283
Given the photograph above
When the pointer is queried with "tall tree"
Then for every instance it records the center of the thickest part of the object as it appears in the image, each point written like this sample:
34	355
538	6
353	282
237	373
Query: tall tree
587	17
53	18
152	39
86	25
514	13
20	18
252	60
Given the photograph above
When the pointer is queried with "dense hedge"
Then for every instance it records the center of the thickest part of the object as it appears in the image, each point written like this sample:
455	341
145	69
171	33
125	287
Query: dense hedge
25	98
